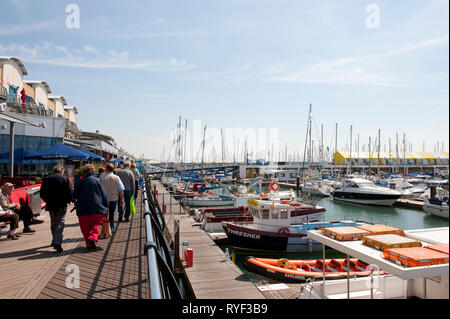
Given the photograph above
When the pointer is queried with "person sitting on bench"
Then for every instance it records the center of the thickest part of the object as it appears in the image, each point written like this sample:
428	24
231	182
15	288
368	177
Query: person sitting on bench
24	211
13	219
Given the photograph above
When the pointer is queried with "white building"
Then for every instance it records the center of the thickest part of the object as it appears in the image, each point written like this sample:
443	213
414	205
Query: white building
60	103
41	92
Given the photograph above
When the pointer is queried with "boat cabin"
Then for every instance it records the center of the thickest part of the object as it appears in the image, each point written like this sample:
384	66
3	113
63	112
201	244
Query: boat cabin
273	216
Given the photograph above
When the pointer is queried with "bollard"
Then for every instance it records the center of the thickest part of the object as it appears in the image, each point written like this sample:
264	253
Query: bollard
189	257
156	193
164	209
183	251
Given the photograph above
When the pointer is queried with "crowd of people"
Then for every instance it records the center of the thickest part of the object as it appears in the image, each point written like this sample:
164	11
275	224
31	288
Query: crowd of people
96	197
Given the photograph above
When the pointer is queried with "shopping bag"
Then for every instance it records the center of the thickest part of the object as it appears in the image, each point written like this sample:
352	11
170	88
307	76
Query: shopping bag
106	230
141	182
132	207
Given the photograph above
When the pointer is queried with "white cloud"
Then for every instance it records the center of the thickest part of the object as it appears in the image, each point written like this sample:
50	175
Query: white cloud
28	28
349	70
90	57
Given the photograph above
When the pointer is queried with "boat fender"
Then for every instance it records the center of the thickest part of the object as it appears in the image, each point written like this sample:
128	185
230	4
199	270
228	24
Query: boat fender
283	230
274	187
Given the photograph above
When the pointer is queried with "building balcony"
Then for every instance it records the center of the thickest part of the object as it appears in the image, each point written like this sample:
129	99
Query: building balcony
3	94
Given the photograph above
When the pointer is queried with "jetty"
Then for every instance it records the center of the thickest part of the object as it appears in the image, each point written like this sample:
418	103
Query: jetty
212	275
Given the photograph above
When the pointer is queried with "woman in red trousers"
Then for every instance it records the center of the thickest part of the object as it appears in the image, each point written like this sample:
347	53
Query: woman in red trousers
91	205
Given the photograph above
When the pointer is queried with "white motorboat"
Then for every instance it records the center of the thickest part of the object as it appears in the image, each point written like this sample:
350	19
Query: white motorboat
210	200
407	190
316	189
436	207
363	191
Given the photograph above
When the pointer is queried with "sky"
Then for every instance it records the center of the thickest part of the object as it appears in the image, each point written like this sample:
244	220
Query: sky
133	68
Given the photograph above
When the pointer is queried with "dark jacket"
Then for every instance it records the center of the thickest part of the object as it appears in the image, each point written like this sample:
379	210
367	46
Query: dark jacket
90	196
56	191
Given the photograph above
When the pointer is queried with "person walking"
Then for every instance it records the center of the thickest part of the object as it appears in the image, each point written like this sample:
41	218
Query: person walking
114	190
137	175
56	191
13	219
127	178
91	203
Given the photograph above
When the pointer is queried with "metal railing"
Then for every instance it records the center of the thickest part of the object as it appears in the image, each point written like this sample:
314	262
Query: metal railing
161	279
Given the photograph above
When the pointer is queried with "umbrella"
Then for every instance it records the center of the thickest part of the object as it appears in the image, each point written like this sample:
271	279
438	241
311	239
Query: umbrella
117	160
93	156
60	151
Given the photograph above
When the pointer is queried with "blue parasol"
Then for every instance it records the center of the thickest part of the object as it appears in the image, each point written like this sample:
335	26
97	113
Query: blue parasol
60	151
92	156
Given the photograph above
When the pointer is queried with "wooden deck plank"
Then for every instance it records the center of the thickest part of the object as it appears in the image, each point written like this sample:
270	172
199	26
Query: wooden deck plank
117	269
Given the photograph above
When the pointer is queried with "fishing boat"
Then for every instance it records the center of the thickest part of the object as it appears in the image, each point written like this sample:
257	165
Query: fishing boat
299	271
363	191
210	200
279	226
211	218
437	207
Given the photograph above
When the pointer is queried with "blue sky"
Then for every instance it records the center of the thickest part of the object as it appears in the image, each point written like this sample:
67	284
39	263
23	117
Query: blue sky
133	67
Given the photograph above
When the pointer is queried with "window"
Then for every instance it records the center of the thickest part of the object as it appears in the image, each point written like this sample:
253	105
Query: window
274	214
50	111
41	109
265	214
283	214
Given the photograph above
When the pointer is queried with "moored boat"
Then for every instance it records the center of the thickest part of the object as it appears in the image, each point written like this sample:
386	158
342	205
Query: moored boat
363	191
210	200
279	226
299	271
436	207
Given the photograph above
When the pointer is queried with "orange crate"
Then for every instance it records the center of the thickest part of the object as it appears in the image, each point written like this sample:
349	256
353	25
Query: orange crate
386	241
443	248
415	256
344	233
382	230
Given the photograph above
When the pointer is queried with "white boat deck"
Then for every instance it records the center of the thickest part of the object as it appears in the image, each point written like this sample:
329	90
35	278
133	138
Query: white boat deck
374	256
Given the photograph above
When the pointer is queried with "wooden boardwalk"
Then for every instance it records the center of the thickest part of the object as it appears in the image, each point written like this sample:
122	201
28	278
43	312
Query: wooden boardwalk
116	270
211	277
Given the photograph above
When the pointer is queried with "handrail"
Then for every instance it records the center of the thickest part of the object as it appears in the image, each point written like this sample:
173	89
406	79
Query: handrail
161	279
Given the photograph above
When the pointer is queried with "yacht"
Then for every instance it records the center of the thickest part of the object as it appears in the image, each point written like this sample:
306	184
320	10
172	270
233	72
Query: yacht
363	191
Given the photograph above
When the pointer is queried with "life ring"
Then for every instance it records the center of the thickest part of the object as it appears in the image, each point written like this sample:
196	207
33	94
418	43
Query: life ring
274	187
286	202
263	195
283	230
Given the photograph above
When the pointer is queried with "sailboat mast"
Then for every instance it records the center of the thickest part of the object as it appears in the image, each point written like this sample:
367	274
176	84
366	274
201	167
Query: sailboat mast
351	128
378	161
